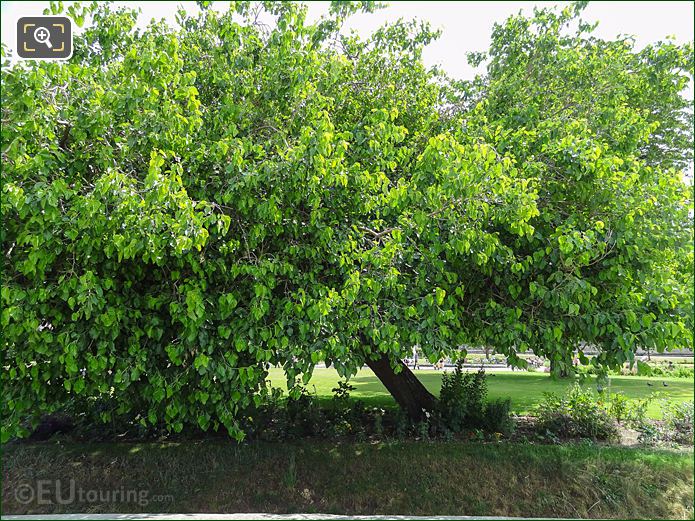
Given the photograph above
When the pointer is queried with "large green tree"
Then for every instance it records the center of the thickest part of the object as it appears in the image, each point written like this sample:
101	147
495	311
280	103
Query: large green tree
184	206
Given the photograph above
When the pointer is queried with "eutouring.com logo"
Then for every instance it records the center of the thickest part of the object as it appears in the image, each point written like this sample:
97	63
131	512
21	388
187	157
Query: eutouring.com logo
44	37
58	492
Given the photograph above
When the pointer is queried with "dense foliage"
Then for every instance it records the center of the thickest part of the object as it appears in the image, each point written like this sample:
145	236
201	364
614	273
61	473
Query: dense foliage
184	206
462	403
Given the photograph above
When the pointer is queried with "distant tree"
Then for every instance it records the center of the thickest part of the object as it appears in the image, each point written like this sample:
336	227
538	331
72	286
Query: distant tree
183	206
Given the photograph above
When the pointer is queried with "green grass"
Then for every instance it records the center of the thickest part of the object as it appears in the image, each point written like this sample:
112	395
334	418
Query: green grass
525	389
418	478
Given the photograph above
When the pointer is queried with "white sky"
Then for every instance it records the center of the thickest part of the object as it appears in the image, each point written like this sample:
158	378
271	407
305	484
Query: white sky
466	25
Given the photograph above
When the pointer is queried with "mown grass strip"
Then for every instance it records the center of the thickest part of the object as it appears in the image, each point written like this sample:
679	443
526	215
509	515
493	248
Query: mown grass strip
417	478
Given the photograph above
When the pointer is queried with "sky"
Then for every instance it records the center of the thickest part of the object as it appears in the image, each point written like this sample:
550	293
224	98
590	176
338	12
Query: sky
466	26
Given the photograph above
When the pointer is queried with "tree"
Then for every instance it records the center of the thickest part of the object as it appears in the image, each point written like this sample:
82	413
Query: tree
184	206
606	131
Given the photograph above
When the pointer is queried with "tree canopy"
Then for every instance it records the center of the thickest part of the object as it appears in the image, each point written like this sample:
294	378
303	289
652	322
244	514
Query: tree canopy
183	206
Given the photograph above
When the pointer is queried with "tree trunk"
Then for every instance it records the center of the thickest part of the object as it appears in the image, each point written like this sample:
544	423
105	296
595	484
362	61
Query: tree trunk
407	390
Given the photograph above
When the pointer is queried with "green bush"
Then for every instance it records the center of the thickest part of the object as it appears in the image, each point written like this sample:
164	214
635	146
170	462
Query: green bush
676	427
629	411
650	433
462	399
341	393
678	420
497	417
462	405
637	410
618	406
683	372
576	414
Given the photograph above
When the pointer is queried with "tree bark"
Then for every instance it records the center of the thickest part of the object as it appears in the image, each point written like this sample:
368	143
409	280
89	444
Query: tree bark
406	389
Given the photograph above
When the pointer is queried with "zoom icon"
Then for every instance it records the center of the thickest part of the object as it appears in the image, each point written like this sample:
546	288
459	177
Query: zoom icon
44	37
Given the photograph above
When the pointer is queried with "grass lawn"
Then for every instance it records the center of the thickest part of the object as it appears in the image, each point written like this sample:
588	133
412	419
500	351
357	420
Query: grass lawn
525	389
417	478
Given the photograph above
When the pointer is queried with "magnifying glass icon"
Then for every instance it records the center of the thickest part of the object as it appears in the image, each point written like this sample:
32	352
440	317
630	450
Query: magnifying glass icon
42	35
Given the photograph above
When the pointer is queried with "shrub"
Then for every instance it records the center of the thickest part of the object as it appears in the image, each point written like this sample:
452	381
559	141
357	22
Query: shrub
462	405
401	424
497	417
304	415
378	426
637	411
341	394
618	406
678	420
462	399
650	433
683	372
575	415
676	427
630	411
